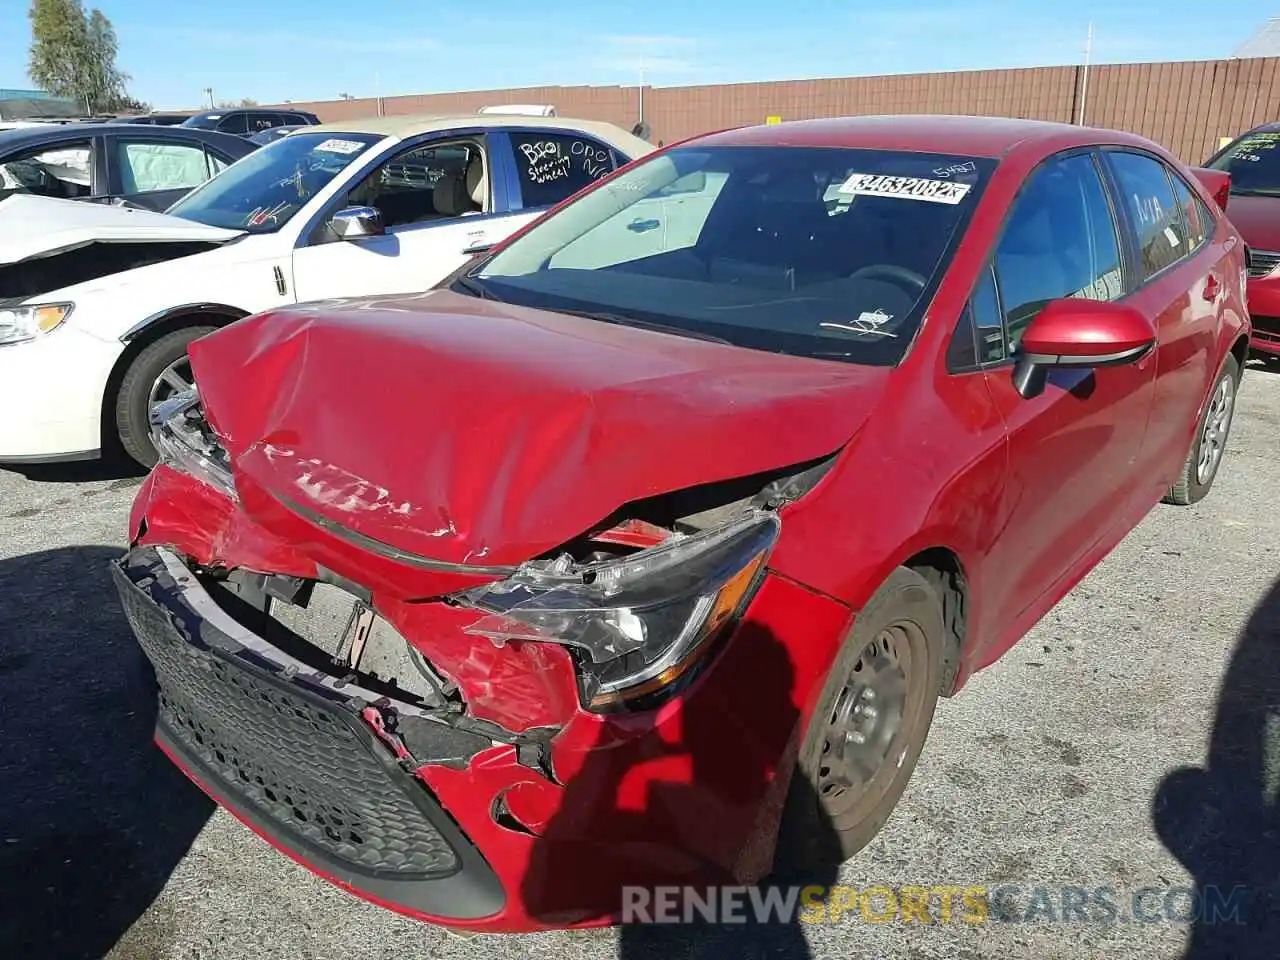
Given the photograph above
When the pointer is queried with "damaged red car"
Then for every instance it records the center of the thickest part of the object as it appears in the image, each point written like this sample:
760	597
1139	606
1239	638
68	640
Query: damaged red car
641	550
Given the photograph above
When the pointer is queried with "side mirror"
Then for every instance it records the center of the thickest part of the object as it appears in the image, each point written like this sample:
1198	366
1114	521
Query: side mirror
1074	332
352	223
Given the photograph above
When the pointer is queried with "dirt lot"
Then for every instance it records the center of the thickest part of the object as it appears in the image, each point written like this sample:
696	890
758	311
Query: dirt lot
1119	746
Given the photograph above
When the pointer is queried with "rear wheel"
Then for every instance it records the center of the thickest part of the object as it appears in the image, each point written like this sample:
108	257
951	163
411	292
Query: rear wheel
1210	443
869	726
158	372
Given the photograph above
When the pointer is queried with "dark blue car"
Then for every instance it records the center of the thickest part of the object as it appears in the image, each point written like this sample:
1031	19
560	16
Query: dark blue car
148	166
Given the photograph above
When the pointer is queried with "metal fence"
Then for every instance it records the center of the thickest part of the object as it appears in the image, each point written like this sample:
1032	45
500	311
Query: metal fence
1187	106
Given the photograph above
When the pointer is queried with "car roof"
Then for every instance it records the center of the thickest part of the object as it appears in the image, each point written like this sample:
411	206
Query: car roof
51	133
924	133
232	111
402	126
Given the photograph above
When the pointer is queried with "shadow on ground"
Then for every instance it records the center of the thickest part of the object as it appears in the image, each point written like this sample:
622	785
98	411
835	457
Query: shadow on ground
78	471
601	842
1223	822
93	818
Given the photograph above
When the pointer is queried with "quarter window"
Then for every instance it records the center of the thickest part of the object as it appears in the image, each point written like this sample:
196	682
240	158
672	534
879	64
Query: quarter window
1154	210
1196	217
1060	241
554	166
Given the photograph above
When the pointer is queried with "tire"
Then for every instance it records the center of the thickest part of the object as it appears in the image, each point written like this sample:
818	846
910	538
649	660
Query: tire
825	824
134	398
1195	480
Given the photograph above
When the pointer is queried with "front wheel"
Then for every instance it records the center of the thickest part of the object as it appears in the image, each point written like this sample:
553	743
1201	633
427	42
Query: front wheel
1210	443
158	372
868	728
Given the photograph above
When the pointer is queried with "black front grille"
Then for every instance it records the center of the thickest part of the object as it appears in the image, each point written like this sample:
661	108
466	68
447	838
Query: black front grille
1267	325
307	767
1262	262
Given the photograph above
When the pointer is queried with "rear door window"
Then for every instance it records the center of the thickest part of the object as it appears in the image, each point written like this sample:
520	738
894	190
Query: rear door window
147	166
1154	210
554	166
237	123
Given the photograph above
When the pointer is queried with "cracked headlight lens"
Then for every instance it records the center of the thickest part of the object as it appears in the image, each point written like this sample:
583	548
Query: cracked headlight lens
640	623
185	441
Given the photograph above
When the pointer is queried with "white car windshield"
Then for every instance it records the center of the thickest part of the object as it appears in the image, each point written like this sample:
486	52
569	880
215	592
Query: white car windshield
813	251
262	192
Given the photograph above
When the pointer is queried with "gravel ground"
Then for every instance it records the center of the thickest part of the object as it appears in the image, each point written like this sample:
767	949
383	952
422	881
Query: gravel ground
1119	745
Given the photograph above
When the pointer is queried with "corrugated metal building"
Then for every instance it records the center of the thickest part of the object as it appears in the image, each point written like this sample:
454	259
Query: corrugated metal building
1188	106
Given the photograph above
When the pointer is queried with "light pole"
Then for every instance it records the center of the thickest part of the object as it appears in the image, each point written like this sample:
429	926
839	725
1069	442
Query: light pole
1084	75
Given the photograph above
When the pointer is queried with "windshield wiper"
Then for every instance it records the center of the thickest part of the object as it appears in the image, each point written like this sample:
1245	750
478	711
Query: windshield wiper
625	321
474	288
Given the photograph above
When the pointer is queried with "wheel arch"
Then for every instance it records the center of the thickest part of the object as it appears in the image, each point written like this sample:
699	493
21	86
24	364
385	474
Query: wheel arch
942	568
138	337
1240	350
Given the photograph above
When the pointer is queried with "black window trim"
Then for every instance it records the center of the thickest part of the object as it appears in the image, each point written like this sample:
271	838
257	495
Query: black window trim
1110	190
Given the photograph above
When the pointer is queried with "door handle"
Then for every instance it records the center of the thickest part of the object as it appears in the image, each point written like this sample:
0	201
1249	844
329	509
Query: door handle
1212	287
640	226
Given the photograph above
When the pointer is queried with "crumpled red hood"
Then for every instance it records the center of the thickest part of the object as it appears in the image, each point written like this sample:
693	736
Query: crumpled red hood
471	431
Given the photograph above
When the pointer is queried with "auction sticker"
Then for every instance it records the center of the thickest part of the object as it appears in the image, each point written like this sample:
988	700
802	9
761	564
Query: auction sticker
340	146
908	188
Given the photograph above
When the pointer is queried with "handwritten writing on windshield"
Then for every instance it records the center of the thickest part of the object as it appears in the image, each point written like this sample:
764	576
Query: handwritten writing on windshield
546	163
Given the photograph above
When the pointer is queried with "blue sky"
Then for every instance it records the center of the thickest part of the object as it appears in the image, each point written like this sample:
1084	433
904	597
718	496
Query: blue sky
273	50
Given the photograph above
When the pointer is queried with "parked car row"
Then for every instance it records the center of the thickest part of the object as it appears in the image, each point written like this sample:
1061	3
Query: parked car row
382	206
631	542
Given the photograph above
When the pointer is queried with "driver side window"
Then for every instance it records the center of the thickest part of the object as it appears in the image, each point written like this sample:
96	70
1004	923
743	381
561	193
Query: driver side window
427	183
1060	240
64	170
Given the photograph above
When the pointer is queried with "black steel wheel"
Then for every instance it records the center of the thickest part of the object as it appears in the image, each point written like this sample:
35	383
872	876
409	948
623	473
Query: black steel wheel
869	726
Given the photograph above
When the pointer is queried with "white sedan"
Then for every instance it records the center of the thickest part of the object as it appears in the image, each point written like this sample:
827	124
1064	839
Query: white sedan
98	303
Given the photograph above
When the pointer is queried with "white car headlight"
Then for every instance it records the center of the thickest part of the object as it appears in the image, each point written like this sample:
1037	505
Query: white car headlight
19	324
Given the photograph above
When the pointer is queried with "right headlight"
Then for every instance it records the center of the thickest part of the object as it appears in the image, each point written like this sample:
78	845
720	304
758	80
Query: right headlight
185	441
19	324
641	624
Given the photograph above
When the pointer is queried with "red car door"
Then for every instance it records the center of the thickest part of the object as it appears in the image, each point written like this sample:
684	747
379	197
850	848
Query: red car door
1181	288
1073	466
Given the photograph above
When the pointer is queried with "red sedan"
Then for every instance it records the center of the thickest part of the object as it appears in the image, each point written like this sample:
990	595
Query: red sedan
642	550
1253	163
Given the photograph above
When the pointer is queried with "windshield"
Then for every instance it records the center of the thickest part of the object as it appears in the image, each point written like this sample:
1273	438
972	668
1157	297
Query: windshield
262	192
1253	162
816	252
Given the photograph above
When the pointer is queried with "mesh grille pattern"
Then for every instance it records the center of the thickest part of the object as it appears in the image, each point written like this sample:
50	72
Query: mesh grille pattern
298	764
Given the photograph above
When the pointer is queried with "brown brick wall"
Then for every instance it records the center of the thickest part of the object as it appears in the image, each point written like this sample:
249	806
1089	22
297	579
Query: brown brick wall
1186	106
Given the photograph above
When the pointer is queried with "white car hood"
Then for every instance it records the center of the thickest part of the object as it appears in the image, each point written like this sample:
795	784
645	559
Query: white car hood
33	226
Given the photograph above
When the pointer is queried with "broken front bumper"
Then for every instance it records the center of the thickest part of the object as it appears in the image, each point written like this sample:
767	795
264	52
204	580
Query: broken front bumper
292	753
